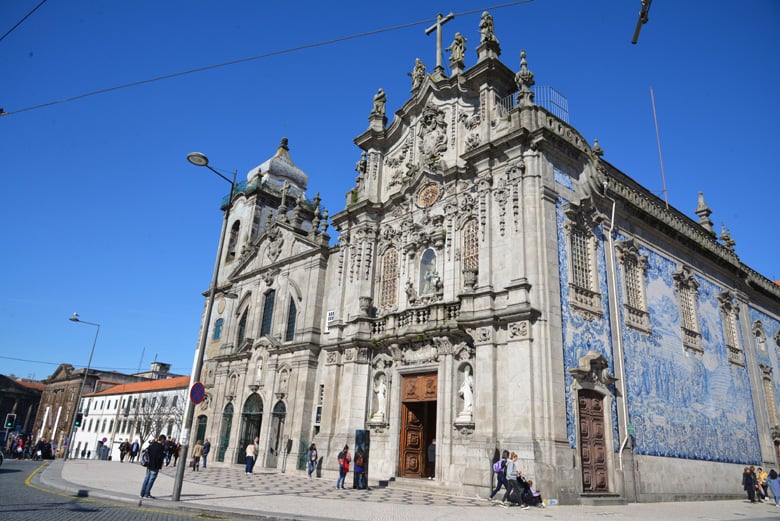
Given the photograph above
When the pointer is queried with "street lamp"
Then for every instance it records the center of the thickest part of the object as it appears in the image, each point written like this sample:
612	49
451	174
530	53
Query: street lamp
75	318
198	159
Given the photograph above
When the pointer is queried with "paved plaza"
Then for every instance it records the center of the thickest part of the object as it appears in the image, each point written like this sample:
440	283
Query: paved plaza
229	490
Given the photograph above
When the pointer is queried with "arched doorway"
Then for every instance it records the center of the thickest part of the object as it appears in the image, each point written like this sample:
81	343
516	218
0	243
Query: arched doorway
251	420
418	423
224	434
200	430
275	442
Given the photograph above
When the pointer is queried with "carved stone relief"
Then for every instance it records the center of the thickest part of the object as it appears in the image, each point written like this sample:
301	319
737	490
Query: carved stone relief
432	133
519	330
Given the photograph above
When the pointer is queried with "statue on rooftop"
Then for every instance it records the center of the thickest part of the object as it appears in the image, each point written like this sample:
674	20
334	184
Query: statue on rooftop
379	103
417	74
486	29
457	48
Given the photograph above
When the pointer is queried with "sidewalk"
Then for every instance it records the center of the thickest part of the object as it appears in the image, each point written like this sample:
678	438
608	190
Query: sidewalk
224	490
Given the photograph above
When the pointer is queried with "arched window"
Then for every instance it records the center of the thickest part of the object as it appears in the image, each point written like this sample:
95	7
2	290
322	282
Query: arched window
268	313
233	242
292	314
224	433
579	227
242	328
428	274
388	287
218	329
688	302
470	246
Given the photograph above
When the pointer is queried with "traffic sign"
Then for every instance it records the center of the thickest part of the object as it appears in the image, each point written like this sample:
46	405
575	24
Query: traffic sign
197	393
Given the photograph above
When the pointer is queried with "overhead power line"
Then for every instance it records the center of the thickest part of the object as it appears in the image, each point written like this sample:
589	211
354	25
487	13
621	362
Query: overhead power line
98	368
253	58
25	17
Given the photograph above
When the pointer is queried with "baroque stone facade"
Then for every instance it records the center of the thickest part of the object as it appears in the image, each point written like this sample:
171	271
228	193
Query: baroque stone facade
495	285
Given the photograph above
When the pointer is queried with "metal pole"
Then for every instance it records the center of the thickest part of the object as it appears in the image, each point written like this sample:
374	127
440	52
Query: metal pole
75	318
189	413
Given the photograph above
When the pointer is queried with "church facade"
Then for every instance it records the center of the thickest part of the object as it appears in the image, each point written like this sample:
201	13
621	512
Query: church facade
495	285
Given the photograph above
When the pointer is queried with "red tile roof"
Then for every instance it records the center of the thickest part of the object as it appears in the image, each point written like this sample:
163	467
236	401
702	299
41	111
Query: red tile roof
181	382
30	384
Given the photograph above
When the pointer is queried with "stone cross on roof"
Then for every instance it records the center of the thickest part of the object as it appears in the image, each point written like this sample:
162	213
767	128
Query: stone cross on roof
440	20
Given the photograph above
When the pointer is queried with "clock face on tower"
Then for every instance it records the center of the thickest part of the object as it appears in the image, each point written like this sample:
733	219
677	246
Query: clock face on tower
428	195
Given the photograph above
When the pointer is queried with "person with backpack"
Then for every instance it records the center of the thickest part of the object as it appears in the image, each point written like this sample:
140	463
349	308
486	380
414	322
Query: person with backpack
155	455
499	467
344	460
513	494
360	469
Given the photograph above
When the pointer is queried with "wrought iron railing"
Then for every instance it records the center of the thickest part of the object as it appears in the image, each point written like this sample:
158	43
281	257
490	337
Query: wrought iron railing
544	96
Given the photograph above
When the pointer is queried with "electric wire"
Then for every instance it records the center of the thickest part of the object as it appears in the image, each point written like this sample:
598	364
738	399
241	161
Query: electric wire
95	367
253	58
25	17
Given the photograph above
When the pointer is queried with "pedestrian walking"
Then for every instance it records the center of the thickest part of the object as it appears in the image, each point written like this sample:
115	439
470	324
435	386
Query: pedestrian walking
774	485
197	453
499	467
206	450
312	458
251	454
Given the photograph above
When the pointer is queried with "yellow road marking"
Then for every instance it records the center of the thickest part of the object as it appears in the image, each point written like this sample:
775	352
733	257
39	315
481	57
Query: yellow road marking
45	464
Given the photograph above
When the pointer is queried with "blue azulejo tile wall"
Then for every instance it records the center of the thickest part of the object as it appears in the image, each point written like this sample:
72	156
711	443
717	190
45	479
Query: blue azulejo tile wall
682	404
765	342
580	335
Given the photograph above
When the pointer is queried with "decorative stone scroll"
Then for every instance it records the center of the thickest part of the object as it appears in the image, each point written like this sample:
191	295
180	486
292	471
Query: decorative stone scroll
593	373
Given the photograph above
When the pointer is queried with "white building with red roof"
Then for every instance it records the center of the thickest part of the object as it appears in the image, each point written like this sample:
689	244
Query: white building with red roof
129	412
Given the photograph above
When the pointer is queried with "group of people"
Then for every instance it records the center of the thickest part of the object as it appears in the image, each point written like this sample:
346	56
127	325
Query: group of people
129	450
359	468
200	453
517	489
757	482
22	447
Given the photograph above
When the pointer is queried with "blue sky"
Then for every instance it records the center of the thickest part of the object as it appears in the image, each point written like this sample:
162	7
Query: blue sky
102	214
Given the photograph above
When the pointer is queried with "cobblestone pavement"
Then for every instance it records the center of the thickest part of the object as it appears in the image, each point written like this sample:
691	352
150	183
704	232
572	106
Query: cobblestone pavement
286	484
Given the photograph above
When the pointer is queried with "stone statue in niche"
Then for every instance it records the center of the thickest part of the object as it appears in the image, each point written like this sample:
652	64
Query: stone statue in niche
466	392
411	293
428	274
380	390
233	385
259	371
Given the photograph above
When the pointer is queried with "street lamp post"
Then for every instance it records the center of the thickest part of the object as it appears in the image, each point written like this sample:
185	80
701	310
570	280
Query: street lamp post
75	318
198	159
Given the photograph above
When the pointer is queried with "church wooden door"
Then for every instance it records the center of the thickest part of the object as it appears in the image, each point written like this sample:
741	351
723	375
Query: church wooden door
593	448
418	423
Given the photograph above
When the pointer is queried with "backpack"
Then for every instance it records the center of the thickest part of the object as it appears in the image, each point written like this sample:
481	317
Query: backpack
145	458
499	466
